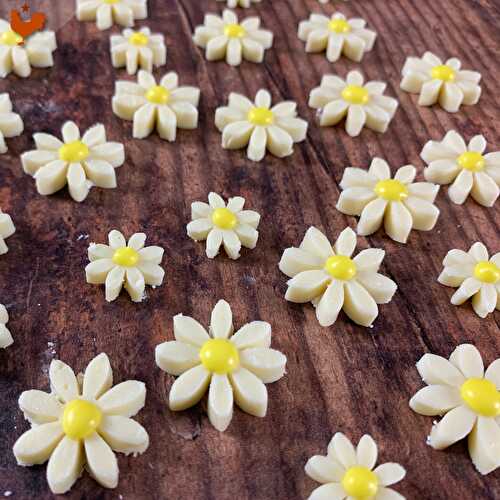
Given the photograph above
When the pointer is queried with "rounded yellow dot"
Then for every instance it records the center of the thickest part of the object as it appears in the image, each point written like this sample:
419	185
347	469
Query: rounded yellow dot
138	38
80	419
111	2
339	26
360	482
443	72
261	116
487	272
234	30
126	257
481	396
340	267
74	152
219	356
224	218
471	160
391	190
10	37
355	94
158	95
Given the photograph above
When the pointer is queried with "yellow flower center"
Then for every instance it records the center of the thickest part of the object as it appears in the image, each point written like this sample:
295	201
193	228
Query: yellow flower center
138	38
260	116
360	482
471	160
339	26
10	38
443	72
355	94
126	257
391	190
74	152
487	272
158	95
340	267
481	396
234	30
219	356
80	419
111	2
224	218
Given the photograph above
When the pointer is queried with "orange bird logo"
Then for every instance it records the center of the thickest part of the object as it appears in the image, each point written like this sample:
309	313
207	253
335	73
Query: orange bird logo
28	27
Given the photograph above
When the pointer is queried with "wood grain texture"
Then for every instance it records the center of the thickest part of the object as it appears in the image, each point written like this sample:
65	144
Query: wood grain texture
344	378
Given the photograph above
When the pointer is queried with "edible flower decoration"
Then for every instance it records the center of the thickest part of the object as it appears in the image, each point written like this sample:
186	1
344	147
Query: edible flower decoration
107	12
5	336
331	280
11	124
467	398
233	367
6	229
81	423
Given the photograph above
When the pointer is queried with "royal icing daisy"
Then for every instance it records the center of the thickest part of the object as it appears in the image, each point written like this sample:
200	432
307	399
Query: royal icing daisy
11	124
165	106
243	122
362	104
232	367
19	55
348	472
437	82
125	264
337	35
468	398
331	280
225	38
107	12
465	167
220	224
79	162
475	276
81	423
239	3
5	337
399	203
6	229
135	49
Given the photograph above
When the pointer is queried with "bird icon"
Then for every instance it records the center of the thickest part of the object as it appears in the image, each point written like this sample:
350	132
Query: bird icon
28	27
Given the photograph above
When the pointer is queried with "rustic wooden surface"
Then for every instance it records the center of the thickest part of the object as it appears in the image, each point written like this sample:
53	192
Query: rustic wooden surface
345	378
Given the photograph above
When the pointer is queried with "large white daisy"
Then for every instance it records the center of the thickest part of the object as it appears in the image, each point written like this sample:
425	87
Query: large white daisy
469	399
80	423
331	280
107	12
232	367
5	336
11	124
7	229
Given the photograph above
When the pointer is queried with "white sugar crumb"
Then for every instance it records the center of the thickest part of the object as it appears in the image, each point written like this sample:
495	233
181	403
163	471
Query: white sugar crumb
83	236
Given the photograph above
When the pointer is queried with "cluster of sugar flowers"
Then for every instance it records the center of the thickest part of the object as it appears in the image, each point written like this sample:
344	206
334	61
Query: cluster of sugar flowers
233	367
107	12
121	263
220	224
81	422
468	398
5	336
11	124
331	280
79	162
475	276
7	229
165	106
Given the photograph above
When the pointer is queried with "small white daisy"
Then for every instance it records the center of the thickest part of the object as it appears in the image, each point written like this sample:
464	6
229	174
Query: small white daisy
107	12
11	124
6	229
5	336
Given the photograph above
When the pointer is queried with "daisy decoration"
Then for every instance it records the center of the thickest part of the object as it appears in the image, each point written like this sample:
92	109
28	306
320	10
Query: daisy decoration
11	124
5	337
107	12
6	229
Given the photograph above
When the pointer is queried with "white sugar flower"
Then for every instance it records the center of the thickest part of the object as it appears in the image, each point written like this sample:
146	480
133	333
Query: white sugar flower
261	127
438	82
337	35
230	225
223	37
121	263
11	124
80	423
469	399
348	473
135	49
232	367
331	280
6	229
107	12
79	162
362	104
239	3
451	161
5	337
475	276
166	106
19	54
399	203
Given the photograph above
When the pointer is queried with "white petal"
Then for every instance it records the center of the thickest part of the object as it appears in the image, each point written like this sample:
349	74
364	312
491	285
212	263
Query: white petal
221	322
137	241
369	260
70	132
380	287
435	400
371	217
135	284
389	494
232	244
295	260
485	300
467	289
98	377
353	200
389	473
423	213
124	434
101	461
116	240
97	271
189	331
250	393
437	370
484	189
101	173
330	304
267	364
453	427
65	466
199	229
254	334
214	241
324	469
461	187
40	407
356	119
94	135
220	402
125	399
63	381
398	222
114	282
330	491
346	242
493	373
479	251
468	360
247	235
236	204
306	286
341	449
484	445
257	144
176	357
380	169
406	174
359	304
366	452
36	445
316	243
263	99
189	388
